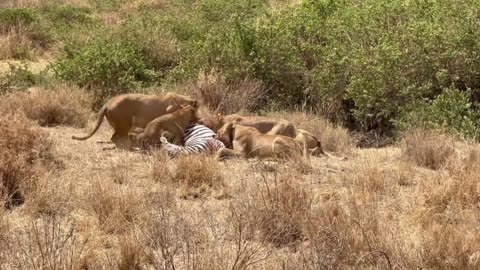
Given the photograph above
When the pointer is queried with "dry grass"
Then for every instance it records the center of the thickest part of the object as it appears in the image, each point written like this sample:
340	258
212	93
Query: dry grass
15	45
333	138
282	208
60	106
115	207
221	97
26	154
199	174
121	210
44	244
428	149
41	3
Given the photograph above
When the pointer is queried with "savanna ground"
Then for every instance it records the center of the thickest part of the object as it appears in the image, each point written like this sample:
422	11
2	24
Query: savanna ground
409	205
381	67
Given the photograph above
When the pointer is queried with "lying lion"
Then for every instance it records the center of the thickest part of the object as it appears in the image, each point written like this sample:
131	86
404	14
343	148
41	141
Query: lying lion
243	141
122	110
268	126
173	123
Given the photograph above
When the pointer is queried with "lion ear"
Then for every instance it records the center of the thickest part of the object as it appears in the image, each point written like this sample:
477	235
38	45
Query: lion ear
170	108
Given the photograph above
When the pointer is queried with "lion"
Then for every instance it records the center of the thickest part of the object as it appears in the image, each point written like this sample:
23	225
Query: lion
243	141
128	111
263	124
173	123
268	126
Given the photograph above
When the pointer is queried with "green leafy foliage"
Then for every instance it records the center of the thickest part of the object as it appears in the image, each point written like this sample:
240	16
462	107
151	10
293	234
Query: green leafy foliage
105	67
451	111
18	78
10	18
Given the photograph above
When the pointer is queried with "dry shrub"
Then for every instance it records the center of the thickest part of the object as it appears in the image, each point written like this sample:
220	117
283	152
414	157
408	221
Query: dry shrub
333	138
198	174
116	207
219	96
428	149
60	106
131	254
282	208
26	153
44	244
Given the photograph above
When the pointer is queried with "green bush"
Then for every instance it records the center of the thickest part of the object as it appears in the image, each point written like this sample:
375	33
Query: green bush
18	78
105	67
11	18
451	111
158	47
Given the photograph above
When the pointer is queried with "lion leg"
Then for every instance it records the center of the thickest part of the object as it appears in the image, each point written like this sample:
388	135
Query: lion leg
226	153
121	141
280	149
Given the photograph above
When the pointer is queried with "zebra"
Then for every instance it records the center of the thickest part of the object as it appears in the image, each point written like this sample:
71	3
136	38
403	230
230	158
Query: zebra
197	139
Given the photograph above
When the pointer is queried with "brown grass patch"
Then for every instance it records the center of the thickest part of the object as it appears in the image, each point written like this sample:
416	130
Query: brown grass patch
449	218
282	208
115	207
428	149
333	138
26	153
131	254
199	174
61	106
15	46
243	96
161	168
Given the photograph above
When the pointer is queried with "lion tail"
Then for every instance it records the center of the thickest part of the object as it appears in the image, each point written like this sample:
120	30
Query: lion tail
101	115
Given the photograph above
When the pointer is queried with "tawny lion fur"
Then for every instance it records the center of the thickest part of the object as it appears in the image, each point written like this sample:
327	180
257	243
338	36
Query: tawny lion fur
268	126
174	123
243	141
128	111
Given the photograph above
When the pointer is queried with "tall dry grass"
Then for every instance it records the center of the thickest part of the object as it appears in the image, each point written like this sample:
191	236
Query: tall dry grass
246	95
26	154
199	175
428	149
62	105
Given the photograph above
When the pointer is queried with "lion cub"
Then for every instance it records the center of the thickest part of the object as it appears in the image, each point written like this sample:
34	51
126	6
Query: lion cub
174	123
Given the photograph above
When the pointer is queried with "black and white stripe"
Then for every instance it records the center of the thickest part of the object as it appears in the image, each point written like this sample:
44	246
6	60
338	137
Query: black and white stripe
197	139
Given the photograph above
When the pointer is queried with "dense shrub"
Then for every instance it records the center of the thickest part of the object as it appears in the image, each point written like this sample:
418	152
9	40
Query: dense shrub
360	63
451	111
104	67
17	78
